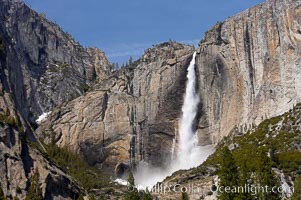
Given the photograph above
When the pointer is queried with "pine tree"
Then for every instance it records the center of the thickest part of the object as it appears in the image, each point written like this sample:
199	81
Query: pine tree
266	177
132	193
35	191
81	197
113	67
130	61
297	189
273	155
2	196
92	197
244	179
147	195
184	196
131	180
228	174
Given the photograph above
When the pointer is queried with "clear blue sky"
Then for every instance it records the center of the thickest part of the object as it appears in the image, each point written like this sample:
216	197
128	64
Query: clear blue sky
124	28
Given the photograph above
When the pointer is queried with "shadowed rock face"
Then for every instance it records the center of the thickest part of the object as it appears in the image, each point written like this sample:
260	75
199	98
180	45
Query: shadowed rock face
249	68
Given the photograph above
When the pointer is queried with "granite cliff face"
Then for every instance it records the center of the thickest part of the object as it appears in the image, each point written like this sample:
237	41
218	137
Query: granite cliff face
35	56
249	68
129	117
39	56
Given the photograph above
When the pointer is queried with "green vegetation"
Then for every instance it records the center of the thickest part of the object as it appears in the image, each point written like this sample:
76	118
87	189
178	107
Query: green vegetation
233	176
8	120
114	66
132	193
281	145
266	177
62	65
92	197
18	190
147	196
89	177
58	67
2	49
35	191
273	144
297	189
2	196
53	69
85	87
184	196
227	174
130	64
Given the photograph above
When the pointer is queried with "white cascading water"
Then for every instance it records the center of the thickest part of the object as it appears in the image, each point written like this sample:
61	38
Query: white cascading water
189	154
188	139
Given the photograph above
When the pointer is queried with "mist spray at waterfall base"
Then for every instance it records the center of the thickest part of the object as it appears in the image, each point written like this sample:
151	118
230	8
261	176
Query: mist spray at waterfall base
189	154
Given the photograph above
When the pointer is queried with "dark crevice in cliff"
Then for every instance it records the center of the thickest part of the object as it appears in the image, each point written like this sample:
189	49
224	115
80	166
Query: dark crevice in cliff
25	157
104	105
278	33
18	94
248	49
132	152
5	86
200	111
219	33
4	162
162	133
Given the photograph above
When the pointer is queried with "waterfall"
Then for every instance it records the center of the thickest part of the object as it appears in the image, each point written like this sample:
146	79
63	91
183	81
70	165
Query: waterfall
189	154
188	143
173	147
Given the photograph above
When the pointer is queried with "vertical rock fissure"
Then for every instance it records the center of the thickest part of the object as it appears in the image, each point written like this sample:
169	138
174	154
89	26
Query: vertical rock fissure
248	47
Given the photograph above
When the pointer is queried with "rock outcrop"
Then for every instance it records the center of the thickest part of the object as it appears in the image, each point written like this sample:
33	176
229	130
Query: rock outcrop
249	68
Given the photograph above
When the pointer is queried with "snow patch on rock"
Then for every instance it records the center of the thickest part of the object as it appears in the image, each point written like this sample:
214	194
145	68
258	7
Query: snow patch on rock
43	117
121	181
